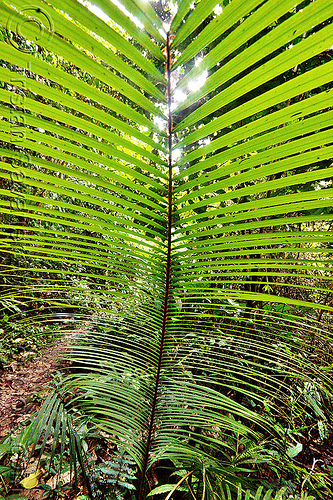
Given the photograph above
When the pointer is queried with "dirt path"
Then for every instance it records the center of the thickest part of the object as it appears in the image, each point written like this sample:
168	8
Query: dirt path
20	383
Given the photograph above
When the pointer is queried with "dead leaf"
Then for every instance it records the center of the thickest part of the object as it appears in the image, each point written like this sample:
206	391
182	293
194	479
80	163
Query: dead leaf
31	481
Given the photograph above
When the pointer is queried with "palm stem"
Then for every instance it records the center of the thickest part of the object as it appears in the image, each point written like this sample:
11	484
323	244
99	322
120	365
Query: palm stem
167	276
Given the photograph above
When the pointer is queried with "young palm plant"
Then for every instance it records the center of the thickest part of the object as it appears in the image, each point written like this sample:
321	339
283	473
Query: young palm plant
166	176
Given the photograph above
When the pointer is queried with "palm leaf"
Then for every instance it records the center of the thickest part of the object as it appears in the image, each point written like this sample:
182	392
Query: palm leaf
201	283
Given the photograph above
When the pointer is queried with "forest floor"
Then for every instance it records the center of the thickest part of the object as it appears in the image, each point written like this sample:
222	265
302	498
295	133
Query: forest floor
24	384
23	388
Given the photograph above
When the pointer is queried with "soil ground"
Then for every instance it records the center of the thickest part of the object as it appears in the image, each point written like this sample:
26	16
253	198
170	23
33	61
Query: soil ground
20	385
23	388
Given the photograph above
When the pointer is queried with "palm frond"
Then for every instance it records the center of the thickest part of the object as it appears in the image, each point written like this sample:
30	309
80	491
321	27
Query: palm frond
201	282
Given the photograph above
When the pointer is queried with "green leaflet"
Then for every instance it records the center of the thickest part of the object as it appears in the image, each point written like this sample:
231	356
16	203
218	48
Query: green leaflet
64	49
290	116
80	38
231	14
82	123
183	8
194	20
262	18
95	24
281	35
292	132
301	52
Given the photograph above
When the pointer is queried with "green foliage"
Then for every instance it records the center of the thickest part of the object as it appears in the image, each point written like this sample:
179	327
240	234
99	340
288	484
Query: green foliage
271	495
114	478
172	190
14	497
23	335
